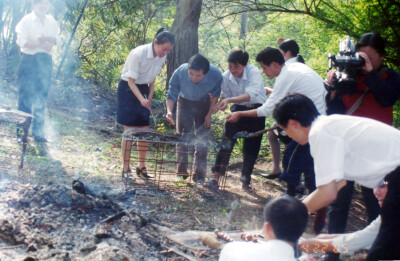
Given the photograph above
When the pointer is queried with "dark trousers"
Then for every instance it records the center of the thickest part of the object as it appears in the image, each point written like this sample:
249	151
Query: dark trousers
251	146
297	159
190	116
338	210
34	79
387	243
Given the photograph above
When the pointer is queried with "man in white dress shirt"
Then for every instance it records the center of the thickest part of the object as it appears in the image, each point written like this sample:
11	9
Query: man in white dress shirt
291	77
37	34
243	88
285	221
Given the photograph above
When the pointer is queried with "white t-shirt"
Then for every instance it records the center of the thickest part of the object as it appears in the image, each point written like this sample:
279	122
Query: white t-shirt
272	250
141	65
362	239
251	83
353	148
29	29
296	77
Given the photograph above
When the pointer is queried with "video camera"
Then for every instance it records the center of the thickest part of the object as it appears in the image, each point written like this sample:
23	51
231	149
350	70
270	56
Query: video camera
348	64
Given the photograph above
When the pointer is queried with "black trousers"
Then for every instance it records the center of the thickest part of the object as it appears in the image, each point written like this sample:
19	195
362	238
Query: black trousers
387	243
251	146
34	79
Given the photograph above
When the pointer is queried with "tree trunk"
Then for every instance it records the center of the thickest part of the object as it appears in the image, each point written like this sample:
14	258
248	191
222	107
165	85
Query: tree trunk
185	29
243	24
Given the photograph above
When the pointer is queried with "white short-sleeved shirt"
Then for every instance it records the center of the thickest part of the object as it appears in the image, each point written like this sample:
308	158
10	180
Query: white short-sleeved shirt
142	65
296	77
353	148
30	28
251	83
272	250
362	239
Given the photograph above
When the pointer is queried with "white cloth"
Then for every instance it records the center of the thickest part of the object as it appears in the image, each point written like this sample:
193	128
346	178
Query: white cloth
291	60
353	148
29	29
362	239
141	65
251	83
299	78
272	250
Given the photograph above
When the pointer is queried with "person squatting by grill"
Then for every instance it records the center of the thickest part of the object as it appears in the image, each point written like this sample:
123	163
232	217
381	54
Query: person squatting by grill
292	77
195	87
243	87
377	88
135	94
37	34
348	148
285	221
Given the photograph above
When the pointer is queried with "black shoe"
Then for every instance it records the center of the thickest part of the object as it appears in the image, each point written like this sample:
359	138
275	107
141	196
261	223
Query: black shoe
270	175
182	175
247	187
143	172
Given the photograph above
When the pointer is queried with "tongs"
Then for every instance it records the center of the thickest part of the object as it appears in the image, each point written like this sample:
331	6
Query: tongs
246	134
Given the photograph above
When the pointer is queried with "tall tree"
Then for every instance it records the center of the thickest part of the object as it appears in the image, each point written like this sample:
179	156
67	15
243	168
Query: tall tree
185	29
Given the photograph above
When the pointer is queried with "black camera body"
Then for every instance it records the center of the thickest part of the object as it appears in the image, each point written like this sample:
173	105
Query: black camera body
348	64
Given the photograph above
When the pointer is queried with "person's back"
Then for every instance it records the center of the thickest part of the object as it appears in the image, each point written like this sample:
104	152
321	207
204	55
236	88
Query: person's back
302	79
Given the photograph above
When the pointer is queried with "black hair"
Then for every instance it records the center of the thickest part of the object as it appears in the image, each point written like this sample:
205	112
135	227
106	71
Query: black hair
374	40
287	216
293	47
297	107
163	36
198	62
269	55
239	56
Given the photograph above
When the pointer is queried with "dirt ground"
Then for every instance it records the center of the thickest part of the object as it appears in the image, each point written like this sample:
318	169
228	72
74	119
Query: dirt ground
84	144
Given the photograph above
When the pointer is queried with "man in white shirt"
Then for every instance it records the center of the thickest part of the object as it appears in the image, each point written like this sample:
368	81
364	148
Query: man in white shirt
348	148
285	220
291	77
243	88
37	34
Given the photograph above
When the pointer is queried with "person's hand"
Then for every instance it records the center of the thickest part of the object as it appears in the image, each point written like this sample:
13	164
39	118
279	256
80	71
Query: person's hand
207	121
146	103
268	90
329	77
367	68
233	117
222	105
168	117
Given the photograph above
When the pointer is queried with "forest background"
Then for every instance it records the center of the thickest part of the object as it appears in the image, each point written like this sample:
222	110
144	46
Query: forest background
98	35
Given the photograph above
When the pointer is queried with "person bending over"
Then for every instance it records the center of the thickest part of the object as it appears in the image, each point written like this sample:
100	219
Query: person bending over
348	148
196	87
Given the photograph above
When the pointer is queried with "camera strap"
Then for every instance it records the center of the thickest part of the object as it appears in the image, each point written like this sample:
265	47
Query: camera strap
354	107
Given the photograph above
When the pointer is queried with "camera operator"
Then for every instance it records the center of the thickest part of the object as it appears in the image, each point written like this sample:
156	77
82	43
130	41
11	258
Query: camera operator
376	91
